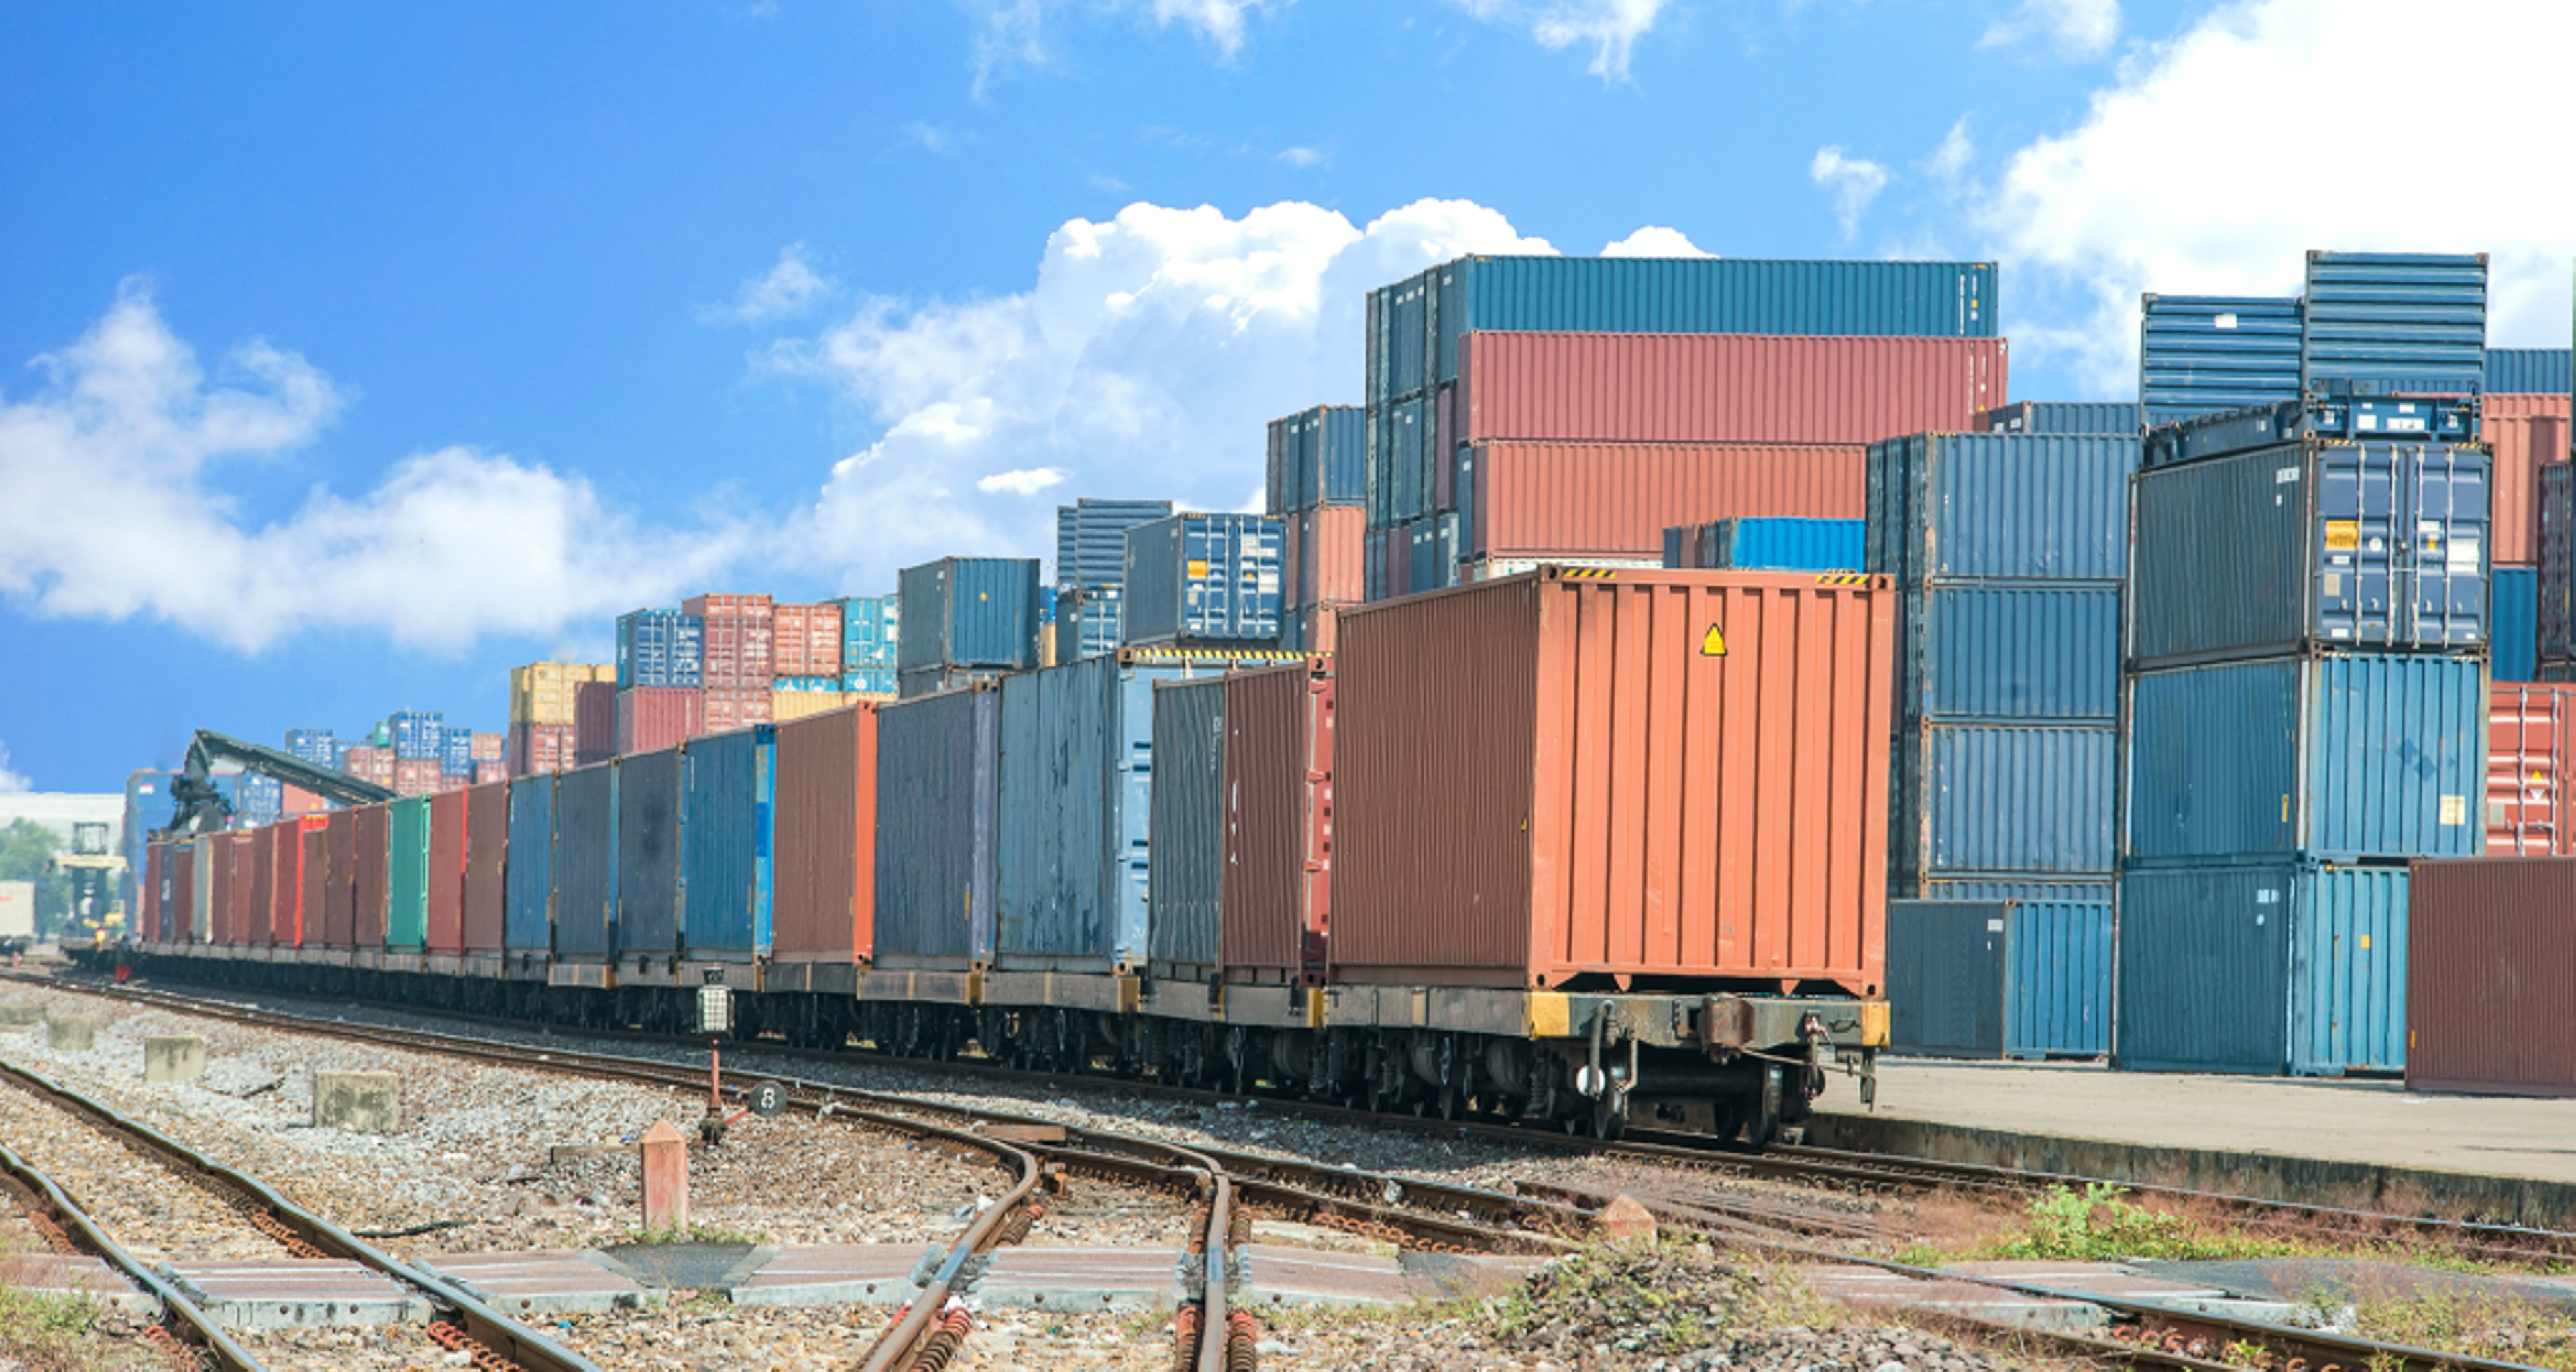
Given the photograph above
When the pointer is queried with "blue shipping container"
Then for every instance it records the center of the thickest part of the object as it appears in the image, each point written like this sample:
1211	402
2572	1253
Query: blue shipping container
1204	579
1317	457
970	612
456	753
2202	353
418	734
2422	419
2285	966
648	854
660	648
1187	856
871	632
2530	371
312	745
728	798
875	681
938	774
528	879
2376	545
1401	441
1773	544
805	683
586	863
2557	561
2514	592
2061	417
2010	650
1091	538
258	799
2334	755
1089	622
1982	799
2051	506
2382	323
2076	890
1995	979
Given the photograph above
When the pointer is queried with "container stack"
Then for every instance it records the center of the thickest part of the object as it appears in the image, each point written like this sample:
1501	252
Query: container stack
1090	567
1527	409
741	657
1202	580
547	705
1780	545
1318	490
2306	687
966	619
871	632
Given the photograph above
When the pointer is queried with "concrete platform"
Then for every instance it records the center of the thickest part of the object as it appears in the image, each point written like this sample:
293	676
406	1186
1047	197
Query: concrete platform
1081	1278
296	1293
1279	1274
544	1281
75	1275
839	1274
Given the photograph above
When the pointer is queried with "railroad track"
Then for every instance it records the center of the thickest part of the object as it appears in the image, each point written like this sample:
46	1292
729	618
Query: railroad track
459	1321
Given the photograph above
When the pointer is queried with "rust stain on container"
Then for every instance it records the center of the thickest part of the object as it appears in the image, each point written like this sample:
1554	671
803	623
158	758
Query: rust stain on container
1590	778
1616	499
1275	897
338	878
2526	432
487	848
2531	770
447	823
823	893
2491	976
370	849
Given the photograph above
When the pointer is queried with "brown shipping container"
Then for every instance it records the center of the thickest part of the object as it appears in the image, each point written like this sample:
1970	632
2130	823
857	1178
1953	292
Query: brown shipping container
487	847
312	899
372	845
447	872
1330	543
252	921
536	748
369	763
739	651
339	876
219	890
1275	898
244	883
295	802
1602	776
2491	976
1723	388
147	900
2526	431
183	893
2531	761
714	603
651	718
594	728
1616	499
823	897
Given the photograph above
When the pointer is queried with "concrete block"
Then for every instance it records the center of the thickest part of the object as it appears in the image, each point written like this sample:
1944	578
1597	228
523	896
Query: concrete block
358	1102
71	1033
173	1057
20	1016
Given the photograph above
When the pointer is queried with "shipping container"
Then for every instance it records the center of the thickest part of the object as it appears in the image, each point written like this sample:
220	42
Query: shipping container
1277	884
870	681
418	735
1317	457
317	745
1719	388
180	910
660	648
722	710
248	910
2335	755
483	884
529	877
1980	799
726	803
543	747
2369	546
456	753
1186	860
1616	499
594	735
970	612
656	717
1203	579
806	640
2381	323
544	692
1662	774
2198	354
2557	563
824	816
301	852
1994	979
2054	507
648	854
1754	544
1091	538
1088	621
2531	770
871	632
2061	417
937	831
2096	890
2020	650
2491	972
740	652
919	682
446	921
214	877
2263	967
261	909
2513	595
2530	371
370	878
407	875
1325	546
586	863
1315	630
727	603
417	777
785	705
312	901
369	763
153	895
2526	433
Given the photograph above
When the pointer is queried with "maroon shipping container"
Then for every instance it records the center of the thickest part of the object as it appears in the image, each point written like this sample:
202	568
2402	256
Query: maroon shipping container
536	748
1722	388
1275	898
2491	976
447	873
651	718
2526	431
147	901
1327	548
594	723
1616	499
416	776
371	844
183	893
823	897
739	652
368	763
241	884
2531	763
251	922
722	710
313	900
1575	777
339	878
806	640
487	847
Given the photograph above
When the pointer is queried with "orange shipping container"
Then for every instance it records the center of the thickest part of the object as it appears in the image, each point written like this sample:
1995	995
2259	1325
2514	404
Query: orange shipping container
298	879
2531	754
806	640
1571	778
2526	432
1616	499
1276	888
823	901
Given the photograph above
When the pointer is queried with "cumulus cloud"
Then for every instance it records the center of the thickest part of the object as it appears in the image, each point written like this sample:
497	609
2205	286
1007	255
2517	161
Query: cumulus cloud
1029	481
1610	28
787	289
1143	361
2074	28
116	509
9	780
2089	218
1854	181
1654	241
1300	157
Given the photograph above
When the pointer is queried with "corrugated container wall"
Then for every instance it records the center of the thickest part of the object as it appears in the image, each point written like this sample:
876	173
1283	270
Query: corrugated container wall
258	853
2491	973
586	863
722	710
2060	417
372	850
407	874
2051	507
741	650
445	929
660	648
1186	862
970	612
806	640
2530	371
823	903
871	632
2526	433
179	922
1616	499
650	718
529	877
1557	809
1976	799
2557	562
1204	579
2513	594
1278	833
1317	456
485	920
2202	353
594	734
726	801
339	878
1757	544
1091	538
2347	545
2531	770
785	704
1325	548
938	765
2395	323
1088	622
2338	756
2011	650
648	854
2266	968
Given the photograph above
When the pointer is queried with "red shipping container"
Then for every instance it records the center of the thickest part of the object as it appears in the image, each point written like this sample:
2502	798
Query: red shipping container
446	925
1616	499
487	847
299	843
650	718
369	894
181	911
1327	548
739	652
1620	775
719	604
2526	431
594	726
488	747
823	906
251	921
368	763
339	879
806	640
485	773
2491	976
722	711
218	856
2531	770
298	802
1276	894
1722	388
415	776
536	748
314	884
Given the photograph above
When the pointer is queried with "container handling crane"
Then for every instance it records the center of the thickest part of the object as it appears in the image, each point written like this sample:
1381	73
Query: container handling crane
201	808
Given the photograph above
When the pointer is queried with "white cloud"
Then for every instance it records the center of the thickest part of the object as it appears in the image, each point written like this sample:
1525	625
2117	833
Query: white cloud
1300	157
1012	33
115	510
1957	150
2074	28
1610	27
933	137
1654	241
787	289
2245	99
1218	21
1026	482
1145	360
1854	181
9	780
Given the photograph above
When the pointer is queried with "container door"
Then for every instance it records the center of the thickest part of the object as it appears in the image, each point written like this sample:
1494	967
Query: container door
2348	994
2524	726
1945	978
2446	566
2358	543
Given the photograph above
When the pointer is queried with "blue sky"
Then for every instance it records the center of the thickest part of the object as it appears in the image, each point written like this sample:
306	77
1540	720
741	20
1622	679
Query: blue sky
351	356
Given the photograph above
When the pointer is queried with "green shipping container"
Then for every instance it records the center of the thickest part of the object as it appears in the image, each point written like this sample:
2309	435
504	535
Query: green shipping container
407	876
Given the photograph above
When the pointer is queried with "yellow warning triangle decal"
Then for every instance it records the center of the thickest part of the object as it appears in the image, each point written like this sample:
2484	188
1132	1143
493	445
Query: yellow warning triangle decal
1713	643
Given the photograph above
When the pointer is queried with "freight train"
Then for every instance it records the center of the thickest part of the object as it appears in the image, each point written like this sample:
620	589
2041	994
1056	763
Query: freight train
1572	847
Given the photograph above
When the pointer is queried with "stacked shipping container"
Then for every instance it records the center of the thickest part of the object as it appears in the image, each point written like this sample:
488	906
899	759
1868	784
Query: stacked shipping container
965	618
1318	491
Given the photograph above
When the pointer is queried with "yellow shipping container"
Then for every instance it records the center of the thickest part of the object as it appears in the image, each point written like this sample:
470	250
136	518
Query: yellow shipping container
787	705
544	692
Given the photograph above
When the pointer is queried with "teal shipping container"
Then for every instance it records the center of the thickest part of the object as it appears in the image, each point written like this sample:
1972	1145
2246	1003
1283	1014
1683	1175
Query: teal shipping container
2394	323
871	633
728	799
2010	650
407	875
2051	507
1982	799
1767	544
970	612
2199	354
2514	594
1995	979
1205	579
